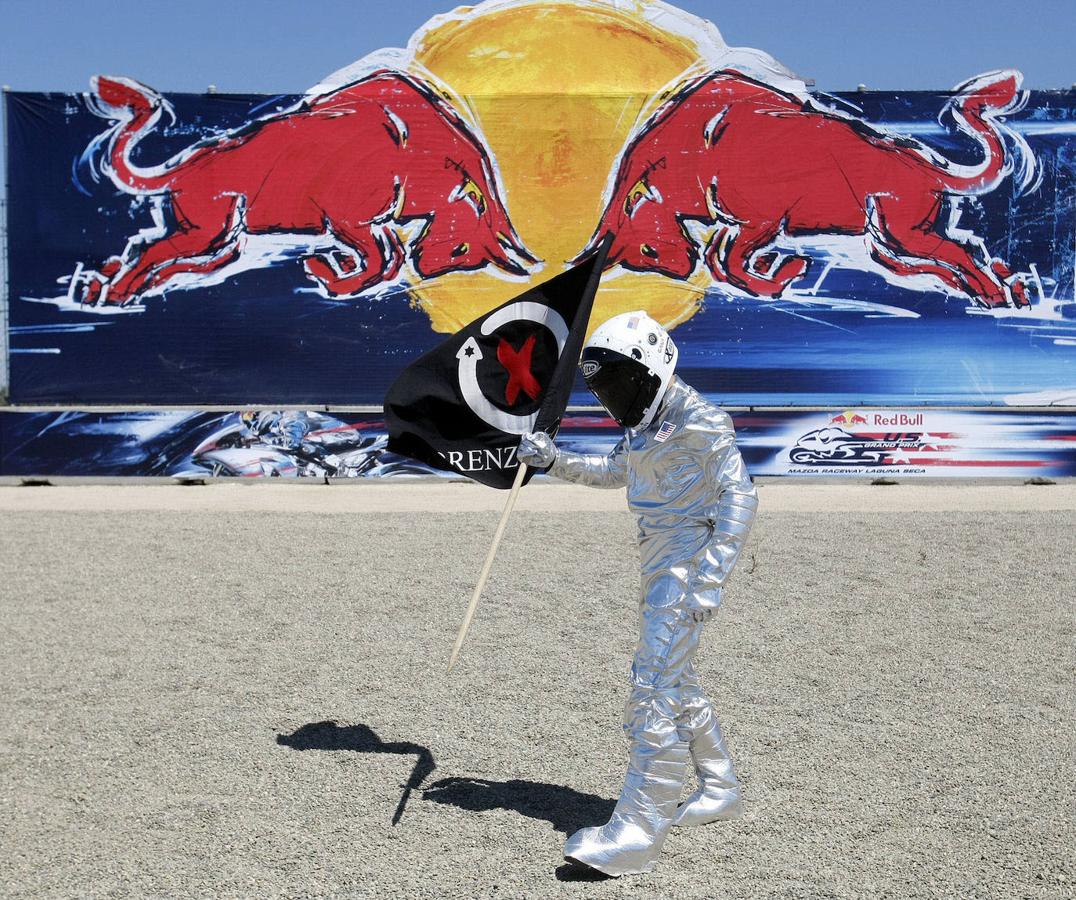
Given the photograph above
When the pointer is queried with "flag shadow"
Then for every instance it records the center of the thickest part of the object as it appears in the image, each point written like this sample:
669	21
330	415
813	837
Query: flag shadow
563	807
330	735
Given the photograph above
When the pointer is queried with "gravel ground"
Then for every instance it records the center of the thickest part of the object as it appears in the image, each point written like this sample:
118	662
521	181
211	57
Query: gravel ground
203	701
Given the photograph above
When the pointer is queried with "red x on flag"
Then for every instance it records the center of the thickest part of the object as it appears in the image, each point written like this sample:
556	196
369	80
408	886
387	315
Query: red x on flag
517	363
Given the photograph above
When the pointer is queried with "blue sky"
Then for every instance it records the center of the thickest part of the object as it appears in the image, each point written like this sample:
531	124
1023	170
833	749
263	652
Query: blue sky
277	46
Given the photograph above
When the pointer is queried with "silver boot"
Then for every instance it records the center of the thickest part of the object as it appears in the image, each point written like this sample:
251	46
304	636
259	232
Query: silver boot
630	842
658	754
718	795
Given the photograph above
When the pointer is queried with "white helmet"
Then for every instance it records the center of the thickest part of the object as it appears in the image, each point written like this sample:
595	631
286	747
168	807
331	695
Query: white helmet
628	364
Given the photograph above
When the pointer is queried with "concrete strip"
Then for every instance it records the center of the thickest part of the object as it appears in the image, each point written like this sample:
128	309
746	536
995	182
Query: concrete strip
434	496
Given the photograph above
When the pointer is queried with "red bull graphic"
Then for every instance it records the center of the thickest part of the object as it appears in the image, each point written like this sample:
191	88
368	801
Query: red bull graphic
336	177
849	418
755	165
853	250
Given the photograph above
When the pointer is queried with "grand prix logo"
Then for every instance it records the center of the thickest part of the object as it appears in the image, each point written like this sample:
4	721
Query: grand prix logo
514	362
869	439
834	446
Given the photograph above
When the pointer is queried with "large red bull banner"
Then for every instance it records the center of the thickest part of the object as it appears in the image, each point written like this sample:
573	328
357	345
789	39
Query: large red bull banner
302	443
806	249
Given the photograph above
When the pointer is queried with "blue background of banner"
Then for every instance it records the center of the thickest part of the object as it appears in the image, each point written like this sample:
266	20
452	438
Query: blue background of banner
265	337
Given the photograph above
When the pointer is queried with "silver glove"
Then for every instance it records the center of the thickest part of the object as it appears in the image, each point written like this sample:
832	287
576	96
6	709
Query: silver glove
537	450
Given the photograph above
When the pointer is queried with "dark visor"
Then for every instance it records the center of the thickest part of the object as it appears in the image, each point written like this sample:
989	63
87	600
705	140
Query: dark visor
624	386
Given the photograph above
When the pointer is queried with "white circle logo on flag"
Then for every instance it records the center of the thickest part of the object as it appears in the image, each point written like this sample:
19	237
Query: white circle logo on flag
470	354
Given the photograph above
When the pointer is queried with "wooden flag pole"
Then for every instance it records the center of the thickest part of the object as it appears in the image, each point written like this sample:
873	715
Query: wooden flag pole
497	535
547	418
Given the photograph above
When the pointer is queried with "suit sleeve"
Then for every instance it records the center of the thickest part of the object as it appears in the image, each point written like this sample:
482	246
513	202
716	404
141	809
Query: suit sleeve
732	508
593	469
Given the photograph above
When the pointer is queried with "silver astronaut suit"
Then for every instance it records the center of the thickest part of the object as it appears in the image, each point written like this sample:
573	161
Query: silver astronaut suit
695	504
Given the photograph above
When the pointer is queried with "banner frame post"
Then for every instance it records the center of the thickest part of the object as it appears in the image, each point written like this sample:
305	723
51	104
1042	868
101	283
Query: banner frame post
5	258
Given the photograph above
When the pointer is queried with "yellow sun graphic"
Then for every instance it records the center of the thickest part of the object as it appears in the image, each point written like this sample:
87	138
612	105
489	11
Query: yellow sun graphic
556	88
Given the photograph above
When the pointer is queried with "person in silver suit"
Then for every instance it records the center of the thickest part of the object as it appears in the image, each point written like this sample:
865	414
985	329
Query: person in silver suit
695	504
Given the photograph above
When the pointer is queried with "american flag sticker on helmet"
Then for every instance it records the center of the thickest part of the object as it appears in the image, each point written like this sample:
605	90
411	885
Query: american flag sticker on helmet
666	429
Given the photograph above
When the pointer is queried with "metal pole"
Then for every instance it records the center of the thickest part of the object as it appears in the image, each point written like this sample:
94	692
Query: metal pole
5	272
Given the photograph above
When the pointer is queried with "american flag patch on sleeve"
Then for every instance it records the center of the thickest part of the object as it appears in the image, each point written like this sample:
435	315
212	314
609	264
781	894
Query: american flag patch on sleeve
666	429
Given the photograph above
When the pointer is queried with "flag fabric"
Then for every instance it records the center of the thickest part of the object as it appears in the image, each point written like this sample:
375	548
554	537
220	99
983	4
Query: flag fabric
464	405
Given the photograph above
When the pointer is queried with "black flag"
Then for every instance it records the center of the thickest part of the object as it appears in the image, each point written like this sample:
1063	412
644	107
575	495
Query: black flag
464	405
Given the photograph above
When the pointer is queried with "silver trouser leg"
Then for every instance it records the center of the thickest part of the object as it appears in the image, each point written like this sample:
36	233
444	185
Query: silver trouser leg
658	753
717	797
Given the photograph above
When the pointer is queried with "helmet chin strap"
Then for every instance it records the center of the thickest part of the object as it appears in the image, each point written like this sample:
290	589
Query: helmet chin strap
646	421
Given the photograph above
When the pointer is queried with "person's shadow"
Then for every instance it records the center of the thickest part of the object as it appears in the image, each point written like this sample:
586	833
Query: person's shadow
330	735
565	808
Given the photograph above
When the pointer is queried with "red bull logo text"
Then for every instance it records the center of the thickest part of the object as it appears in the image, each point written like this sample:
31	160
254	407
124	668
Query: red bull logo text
886	418
902	420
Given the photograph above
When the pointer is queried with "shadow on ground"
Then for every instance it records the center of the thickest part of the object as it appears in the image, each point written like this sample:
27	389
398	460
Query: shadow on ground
566	809
573	871
330	735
